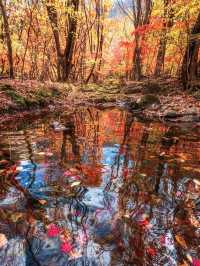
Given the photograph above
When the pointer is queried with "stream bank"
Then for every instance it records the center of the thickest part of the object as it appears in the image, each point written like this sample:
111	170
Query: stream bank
154	99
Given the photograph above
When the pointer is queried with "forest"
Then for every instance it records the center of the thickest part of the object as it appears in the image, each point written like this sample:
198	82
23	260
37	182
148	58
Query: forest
89	41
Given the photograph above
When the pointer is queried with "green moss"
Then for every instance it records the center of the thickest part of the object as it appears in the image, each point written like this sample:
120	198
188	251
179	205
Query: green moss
43	96
16	98
43	93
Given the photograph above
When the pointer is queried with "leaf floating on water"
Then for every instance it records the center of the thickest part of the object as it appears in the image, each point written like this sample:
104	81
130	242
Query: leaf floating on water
197	182
74	171
143	175
151	252
185	263
67	173
195	262
49	154
66	247
181	241
43	202
3	162
126	215
75	184
162	154
53	230
40	153
76	177
16	216
19	168
3	240
178	193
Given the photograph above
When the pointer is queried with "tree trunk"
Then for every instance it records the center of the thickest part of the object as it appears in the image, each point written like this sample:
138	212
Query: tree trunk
137	70
141	16
161	54
168	23
190	60
69	51
8	39
64	60
53	17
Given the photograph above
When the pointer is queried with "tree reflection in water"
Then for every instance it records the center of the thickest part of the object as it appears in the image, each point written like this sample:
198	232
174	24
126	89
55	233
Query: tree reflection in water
106	190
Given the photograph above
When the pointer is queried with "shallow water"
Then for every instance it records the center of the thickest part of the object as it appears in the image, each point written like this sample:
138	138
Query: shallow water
107	190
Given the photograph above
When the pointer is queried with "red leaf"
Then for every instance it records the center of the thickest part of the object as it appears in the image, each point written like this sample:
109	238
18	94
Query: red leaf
151	251
67	173
143	223
66	247
53	231
195	262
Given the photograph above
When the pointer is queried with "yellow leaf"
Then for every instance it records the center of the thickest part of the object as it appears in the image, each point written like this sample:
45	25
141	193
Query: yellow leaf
3	240
181	241
16	216
76	183
43	202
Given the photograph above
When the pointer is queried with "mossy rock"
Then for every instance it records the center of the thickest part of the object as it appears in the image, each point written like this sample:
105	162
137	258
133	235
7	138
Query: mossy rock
148	100
152	88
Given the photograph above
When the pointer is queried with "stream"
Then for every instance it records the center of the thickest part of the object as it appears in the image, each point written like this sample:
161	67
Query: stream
99	187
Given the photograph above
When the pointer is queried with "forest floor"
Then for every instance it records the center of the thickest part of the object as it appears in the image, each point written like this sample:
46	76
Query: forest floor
157	99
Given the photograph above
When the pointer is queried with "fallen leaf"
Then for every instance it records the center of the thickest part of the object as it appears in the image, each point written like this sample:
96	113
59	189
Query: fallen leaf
74	171
19	168
53	230
3	240
16	216
40	153
67	173
195	262
151	251
76	183
49	154
43	202
197	182
181	241
66	247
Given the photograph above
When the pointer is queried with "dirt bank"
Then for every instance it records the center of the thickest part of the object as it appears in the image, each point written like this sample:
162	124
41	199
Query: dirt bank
161	99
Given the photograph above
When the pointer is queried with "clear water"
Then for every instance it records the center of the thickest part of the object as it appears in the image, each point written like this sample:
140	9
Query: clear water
107	190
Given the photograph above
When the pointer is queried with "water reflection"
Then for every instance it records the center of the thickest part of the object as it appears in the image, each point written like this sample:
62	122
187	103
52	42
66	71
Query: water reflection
99	188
